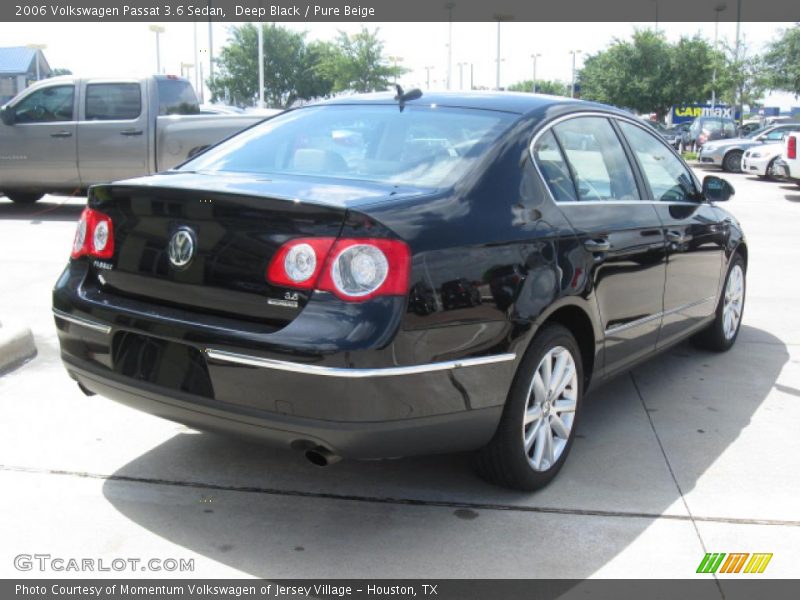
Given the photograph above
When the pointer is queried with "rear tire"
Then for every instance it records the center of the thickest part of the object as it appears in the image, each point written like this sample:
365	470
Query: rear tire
23	197
733	161
721	334
543	406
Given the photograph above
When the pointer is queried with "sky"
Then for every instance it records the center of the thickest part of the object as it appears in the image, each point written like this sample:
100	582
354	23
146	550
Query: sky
129	49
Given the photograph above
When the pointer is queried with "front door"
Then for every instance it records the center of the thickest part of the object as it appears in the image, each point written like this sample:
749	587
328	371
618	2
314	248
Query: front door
39	149
694	232
112	133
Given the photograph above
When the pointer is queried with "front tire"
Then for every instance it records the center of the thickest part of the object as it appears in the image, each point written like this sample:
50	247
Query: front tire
537	428
721	334
733	161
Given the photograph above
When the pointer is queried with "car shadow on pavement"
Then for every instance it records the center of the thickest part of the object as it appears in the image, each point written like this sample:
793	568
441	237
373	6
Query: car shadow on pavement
644	441
55	208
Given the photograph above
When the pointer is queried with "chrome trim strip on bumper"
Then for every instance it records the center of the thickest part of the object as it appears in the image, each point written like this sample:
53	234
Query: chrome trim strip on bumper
282	365
89	324
657	315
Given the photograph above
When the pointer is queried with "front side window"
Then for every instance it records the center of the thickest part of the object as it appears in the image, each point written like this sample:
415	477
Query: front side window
599	167
48	105
554	168
424	146
113	101
668	178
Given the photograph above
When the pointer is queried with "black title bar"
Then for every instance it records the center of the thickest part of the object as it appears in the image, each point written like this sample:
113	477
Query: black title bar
399	10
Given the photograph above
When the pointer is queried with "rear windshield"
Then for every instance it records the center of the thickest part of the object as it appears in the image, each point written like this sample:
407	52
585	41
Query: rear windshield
177	97
422	145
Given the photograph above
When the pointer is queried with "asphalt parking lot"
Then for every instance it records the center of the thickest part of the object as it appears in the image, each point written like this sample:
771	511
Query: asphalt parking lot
690	453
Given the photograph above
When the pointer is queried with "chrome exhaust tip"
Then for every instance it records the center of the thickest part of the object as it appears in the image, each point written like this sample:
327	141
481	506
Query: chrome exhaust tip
321	456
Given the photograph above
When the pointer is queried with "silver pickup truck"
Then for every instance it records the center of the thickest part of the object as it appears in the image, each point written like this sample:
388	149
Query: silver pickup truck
62	135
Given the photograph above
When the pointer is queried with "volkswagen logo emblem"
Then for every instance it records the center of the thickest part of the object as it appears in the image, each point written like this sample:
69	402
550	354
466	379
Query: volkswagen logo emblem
181	247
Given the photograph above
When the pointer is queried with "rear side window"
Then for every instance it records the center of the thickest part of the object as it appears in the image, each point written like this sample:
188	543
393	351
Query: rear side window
553	167
596	159
177	97
113	101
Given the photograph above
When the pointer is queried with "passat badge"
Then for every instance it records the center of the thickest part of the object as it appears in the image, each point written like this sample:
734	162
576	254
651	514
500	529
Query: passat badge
182	246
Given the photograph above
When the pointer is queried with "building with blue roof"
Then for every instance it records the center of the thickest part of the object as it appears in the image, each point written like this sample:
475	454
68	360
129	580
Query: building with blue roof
19	67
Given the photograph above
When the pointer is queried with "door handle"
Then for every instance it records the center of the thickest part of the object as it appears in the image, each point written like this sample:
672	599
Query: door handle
597	246
61	134
131	132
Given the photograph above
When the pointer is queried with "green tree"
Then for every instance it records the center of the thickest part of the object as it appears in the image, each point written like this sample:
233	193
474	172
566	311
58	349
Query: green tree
782	61
60	71
648	74
631	74
289	68
543	86
357	63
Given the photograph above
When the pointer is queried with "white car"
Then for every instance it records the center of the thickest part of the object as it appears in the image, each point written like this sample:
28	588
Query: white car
760	160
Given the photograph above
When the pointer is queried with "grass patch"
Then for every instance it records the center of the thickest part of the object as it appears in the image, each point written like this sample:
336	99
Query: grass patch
689	156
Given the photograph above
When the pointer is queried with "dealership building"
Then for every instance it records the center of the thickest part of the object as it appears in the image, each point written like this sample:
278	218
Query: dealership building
19	67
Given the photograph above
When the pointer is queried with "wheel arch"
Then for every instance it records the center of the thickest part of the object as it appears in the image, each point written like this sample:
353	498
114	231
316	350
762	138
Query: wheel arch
575	315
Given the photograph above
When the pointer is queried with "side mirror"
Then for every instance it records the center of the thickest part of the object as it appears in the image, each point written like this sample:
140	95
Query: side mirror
8	114
716	189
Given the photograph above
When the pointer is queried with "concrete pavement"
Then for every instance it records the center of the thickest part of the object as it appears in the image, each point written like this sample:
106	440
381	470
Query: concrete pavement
692	452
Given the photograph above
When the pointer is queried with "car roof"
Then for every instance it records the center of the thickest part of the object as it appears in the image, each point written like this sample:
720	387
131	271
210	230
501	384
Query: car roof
513	102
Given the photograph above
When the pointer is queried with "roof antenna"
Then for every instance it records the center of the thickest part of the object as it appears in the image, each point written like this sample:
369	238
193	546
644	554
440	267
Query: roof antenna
403	97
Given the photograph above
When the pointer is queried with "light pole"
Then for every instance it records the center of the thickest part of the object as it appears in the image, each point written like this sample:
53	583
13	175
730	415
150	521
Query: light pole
533	86
737	97
194	57
461	75
449	6
717	9
471	77
395	60
572	86
260	65
37	48
656	3
428	77
158	30
499	18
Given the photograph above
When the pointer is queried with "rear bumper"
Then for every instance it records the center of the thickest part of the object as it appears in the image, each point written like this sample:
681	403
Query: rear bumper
453	432
377	402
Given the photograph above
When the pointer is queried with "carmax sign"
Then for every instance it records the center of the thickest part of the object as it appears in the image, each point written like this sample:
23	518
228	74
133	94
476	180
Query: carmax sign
689	112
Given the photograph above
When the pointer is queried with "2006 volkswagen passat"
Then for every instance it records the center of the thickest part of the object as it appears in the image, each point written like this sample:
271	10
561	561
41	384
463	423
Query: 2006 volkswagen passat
384	276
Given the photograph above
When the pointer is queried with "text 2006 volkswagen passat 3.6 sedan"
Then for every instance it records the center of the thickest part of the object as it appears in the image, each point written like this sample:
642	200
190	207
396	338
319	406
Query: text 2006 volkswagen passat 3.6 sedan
391	275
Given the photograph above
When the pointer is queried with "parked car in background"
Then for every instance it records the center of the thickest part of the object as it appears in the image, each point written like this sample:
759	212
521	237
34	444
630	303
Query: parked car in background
262	288
728	153
788	165
761	160
64	134
706	129
675	134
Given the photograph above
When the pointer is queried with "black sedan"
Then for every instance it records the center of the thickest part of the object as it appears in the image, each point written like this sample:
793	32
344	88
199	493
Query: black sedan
292	284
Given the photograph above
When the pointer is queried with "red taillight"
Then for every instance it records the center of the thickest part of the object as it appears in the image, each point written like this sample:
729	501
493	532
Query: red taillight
353	269
94	236
297	264
791	149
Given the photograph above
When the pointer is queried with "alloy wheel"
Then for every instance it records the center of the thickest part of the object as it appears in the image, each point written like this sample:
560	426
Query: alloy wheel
550	409
734	299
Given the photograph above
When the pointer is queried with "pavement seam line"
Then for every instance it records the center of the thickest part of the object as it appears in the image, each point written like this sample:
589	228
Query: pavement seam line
672	474
390	500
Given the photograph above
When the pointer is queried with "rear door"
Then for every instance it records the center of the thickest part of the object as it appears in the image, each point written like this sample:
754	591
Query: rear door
39	148
592	180
112	132
694	231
